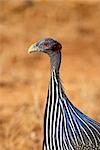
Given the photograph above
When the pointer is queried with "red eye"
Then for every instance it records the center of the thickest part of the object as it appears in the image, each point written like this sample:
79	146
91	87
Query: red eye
46	44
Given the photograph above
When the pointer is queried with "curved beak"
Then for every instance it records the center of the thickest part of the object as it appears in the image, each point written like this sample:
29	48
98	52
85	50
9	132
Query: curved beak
33	48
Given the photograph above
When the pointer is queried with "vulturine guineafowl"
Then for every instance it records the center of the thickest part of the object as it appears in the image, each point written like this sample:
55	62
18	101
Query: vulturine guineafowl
65	127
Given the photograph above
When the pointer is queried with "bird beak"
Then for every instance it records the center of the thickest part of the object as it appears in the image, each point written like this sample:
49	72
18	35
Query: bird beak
33	48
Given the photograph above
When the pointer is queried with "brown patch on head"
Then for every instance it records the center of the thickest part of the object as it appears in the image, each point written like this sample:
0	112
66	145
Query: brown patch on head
57	46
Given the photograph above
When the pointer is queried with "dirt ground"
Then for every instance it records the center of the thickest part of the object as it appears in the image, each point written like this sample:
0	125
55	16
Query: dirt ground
24	78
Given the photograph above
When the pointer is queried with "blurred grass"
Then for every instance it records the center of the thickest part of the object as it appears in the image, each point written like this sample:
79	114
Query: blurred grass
76	24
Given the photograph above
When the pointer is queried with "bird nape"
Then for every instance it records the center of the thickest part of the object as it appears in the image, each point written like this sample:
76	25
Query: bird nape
65	127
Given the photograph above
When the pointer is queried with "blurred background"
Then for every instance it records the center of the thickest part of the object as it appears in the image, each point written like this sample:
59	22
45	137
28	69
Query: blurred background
24	78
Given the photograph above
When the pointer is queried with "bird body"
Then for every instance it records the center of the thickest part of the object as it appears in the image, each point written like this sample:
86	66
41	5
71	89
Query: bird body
65	127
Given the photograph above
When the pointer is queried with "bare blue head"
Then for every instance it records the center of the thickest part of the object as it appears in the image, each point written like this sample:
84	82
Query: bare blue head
45	45
52	48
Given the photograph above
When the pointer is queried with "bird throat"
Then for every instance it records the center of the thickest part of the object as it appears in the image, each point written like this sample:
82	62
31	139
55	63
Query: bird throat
55	60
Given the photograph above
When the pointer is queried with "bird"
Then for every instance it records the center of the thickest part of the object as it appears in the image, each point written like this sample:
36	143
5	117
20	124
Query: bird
65	126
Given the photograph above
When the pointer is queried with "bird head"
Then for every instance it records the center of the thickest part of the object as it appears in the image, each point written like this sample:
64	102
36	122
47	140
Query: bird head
45	45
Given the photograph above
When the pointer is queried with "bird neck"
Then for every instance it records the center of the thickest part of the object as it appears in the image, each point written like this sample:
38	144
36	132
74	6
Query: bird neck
55	60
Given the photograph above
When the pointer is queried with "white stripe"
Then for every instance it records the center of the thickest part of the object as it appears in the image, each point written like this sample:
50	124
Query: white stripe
47	118
54	121
44	147
59	143
57	128
51	144
61	132
55	78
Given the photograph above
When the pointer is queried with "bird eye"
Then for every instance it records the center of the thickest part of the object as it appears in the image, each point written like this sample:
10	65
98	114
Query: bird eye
46	44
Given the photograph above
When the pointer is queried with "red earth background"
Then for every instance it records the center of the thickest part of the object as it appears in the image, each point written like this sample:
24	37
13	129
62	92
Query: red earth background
24	78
